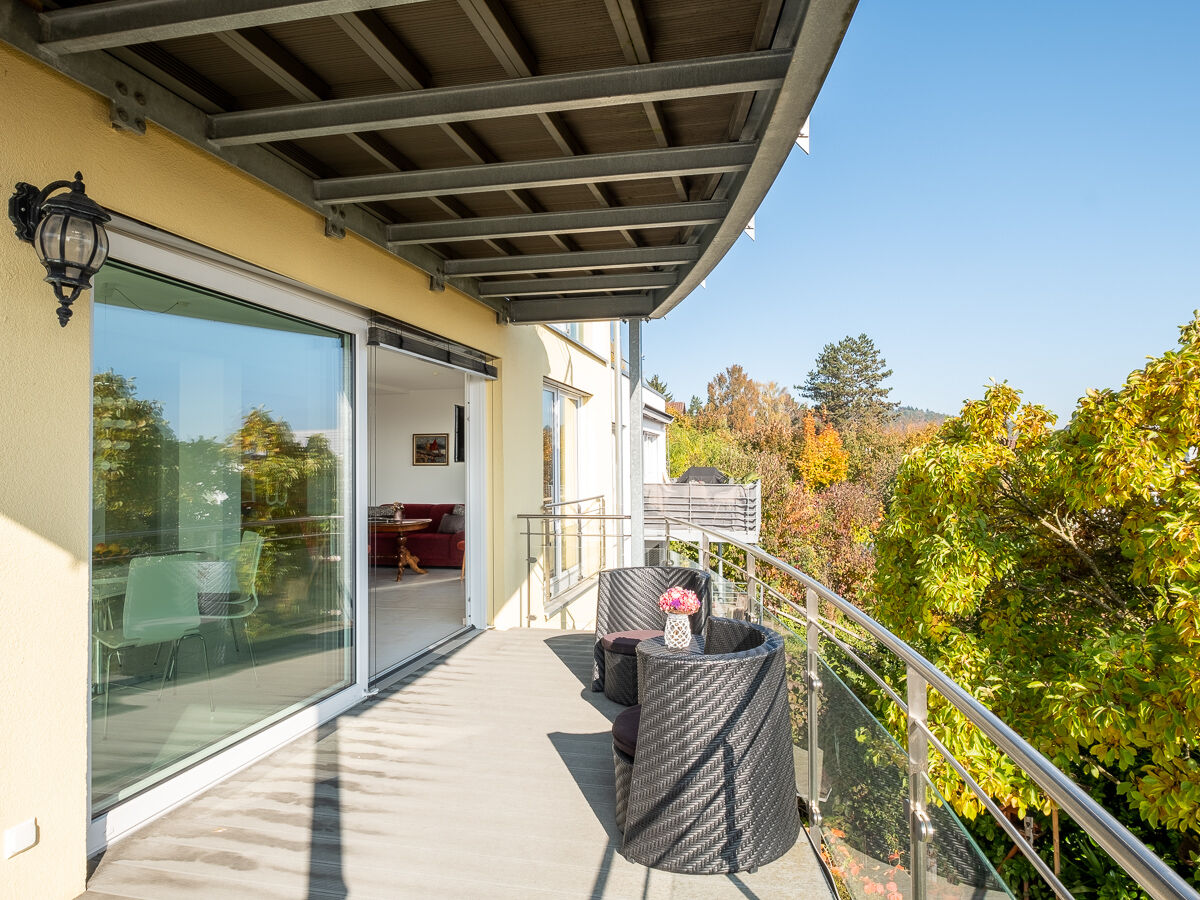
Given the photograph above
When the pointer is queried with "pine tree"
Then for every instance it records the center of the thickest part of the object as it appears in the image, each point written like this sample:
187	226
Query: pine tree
845	385
655	381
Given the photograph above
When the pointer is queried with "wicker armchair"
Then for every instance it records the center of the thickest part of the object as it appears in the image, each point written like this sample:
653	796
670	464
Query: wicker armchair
628	600
710	786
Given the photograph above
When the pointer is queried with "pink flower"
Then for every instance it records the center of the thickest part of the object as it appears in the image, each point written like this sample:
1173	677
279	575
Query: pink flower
679	600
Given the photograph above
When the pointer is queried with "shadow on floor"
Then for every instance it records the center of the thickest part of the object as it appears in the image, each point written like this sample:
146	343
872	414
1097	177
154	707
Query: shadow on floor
593	773
575	652
325	881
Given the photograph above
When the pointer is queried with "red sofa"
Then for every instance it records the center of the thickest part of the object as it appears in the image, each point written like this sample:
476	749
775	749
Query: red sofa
429	545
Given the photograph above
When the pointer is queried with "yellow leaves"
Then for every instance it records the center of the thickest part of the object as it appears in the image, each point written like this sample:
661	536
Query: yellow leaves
822	459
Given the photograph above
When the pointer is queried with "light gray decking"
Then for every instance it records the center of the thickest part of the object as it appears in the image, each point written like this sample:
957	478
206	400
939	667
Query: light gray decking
486	773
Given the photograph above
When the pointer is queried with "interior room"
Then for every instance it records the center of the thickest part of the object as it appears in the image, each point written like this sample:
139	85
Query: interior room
417	515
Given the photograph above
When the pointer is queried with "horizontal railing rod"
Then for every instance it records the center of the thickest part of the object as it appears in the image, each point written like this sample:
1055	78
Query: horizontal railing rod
1009	828
867	670
572	502
1160	880
557	516
840	627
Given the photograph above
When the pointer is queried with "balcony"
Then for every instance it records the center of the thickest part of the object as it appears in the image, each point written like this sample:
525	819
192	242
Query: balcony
486	771
735	509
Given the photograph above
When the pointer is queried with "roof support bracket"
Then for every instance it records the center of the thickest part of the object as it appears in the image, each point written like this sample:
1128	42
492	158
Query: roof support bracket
335	223
437	282
127	109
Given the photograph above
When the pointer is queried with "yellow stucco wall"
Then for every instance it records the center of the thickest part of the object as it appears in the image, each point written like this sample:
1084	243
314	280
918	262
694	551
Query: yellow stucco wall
51	128
586	370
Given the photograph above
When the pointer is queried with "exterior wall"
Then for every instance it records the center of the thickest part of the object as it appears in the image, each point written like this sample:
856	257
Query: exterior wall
584	362
53	127
584	366
397	418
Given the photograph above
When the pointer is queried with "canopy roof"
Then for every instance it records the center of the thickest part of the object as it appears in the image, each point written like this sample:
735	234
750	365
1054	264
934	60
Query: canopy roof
557	160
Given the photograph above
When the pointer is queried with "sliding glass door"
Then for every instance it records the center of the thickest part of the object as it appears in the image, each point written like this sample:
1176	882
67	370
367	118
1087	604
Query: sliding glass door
222	574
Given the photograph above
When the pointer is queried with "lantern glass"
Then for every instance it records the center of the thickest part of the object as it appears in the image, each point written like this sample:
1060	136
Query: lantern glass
71	247
48	237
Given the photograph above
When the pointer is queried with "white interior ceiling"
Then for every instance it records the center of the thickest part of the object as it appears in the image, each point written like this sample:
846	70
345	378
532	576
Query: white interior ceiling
396	373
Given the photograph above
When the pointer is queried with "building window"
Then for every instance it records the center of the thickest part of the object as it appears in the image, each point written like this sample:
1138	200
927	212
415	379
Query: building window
573	330
221	592
560	475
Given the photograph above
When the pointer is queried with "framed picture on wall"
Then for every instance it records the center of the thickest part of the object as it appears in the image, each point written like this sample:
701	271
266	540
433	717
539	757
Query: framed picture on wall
431	449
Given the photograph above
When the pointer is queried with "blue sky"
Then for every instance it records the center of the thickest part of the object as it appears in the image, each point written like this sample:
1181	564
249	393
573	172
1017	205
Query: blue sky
1006	191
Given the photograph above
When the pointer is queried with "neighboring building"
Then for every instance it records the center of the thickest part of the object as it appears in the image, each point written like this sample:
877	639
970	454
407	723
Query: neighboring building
315	308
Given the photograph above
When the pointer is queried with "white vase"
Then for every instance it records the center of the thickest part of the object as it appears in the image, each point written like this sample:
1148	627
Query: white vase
678	631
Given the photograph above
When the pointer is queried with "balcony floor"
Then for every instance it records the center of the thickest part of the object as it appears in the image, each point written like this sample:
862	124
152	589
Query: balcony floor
485	773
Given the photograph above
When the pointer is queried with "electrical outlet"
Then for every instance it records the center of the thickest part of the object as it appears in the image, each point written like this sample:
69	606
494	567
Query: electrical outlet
20	837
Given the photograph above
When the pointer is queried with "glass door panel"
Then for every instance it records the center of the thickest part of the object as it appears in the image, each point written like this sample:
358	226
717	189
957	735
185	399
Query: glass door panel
221	480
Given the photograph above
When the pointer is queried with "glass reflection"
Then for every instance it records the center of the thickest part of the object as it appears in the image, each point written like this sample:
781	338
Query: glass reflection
220	591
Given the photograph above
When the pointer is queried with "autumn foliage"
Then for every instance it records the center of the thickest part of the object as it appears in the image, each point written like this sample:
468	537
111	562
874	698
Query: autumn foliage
1057	574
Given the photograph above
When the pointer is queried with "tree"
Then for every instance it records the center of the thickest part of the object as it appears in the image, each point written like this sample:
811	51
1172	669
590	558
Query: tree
1005	535
135	471
660	385
733	400
846	384
822	460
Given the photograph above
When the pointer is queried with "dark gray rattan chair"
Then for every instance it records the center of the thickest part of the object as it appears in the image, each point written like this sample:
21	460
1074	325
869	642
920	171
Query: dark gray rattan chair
710	786
627	600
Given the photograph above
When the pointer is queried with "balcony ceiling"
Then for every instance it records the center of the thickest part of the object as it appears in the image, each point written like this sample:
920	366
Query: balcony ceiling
557	160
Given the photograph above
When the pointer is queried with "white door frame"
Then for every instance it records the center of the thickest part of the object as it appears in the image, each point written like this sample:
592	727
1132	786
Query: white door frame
170	255
477	494
177	257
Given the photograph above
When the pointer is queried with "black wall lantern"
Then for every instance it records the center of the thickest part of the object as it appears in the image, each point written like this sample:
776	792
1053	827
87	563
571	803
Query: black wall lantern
67	231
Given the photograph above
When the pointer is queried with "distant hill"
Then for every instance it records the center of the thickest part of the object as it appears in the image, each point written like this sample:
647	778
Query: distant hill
910	415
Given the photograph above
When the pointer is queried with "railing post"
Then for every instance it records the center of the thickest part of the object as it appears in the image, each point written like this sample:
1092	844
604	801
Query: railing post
705	556
812	612
920	829
603	540
751	589
552	551
667	548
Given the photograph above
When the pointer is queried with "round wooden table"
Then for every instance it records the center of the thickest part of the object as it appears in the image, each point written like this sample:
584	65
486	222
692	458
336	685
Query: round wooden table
400	529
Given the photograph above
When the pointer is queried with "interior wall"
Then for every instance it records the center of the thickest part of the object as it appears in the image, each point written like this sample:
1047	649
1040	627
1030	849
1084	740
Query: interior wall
398	416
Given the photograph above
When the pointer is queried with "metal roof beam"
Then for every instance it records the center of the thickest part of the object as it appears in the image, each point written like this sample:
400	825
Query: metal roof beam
630	26
608	219
122	23
100	72
492	22
386	50
566	262
398	62
583	284
630	166
580	309
735	73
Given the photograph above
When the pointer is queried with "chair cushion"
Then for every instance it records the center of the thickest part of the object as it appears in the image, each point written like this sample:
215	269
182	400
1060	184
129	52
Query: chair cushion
625	730
625	642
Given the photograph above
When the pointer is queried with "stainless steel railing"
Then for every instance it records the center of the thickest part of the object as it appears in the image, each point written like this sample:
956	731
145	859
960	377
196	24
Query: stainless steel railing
760	600
566	546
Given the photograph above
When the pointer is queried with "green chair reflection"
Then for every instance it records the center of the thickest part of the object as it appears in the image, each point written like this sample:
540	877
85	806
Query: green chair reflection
161	606
245	558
